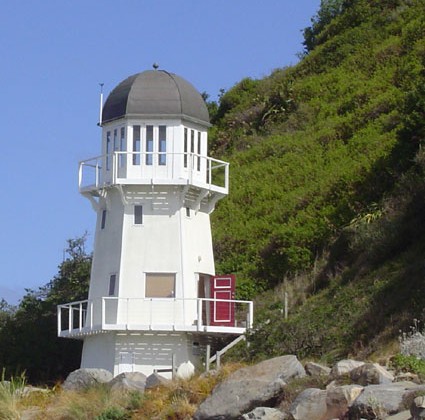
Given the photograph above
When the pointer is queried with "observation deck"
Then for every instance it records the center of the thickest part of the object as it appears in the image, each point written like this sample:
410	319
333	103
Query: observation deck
90	317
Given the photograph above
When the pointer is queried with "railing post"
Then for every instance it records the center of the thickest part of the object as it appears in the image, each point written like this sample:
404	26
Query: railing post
70	318
251	314
226	170
91	314
103	313
199	314
208	356
80	320
59	320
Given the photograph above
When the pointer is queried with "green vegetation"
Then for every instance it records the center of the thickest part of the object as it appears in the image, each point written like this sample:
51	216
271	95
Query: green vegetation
28	333
327	184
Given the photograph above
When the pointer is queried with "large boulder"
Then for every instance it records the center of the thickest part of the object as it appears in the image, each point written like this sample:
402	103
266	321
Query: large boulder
339	398
371	374
250	387
129	381
377	401
344	367
309	404
266	413
417	409
154	380
316	369
85	377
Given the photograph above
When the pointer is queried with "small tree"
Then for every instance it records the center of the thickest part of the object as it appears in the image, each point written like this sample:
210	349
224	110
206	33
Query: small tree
28	338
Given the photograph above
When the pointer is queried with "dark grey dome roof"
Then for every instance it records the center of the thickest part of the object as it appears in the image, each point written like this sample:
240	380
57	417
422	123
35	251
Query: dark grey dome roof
155	93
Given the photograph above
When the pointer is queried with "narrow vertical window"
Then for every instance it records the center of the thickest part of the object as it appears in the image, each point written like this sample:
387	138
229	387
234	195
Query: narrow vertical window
199	152
123	148
112	284
103	219
138	215
136	144
192	147
149	144
108	149
115	140
185	149
187	211
162	143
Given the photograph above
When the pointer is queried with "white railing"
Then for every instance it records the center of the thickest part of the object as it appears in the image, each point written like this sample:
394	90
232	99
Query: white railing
152	167
167	314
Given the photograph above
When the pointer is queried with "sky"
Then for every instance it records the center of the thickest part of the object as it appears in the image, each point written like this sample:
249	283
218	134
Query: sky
54	54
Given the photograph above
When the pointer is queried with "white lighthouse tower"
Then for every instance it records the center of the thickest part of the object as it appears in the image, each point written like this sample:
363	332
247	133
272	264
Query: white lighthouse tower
154	299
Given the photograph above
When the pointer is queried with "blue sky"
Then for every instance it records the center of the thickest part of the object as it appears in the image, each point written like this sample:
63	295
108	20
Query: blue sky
54	54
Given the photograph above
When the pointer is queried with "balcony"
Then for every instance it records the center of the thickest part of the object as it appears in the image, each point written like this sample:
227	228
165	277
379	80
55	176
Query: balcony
88	317
136	168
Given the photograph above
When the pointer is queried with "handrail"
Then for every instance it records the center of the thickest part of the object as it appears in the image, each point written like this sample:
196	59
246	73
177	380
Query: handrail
86	312
119	167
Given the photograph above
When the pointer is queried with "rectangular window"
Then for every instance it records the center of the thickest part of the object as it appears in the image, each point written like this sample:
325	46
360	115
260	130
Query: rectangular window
123	148
115	140
136	144
103	219
149	144
162	142
108	149
112	283
138	215
192	141
185	149
187	211
198	166
160	285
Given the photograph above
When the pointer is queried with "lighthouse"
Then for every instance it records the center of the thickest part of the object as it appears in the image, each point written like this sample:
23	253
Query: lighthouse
155	300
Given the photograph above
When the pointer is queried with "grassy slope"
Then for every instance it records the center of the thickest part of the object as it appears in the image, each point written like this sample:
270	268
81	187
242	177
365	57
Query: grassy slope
326	172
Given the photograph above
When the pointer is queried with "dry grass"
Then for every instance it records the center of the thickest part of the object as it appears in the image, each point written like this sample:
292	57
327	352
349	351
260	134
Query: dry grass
178	399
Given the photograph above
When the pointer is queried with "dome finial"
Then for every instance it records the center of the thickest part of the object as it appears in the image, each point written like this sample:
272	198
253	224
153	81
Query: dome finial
155	66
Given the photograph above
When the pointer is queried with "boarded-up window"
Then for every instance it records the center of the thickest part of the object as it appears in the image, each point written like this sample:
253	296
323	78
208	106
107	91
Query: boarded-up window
160	285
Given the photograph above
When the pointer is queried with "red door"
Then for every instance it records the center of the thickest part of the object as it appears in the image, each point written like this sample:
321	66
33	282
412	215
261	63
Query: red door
222	313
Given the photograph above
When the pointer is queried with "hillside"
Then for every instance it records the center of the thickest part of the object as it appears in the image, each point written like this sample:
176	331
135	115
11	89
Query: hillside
327	184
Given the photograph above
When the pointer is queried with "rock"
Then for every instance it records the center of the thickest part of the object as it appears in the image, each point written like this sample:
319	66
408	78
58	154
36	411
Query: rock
250	387
371	374
377	401
344	366
185	371
129	381
316	369
417	409
339	398
309	404
407	376
266	413
154	380
403	415
82	378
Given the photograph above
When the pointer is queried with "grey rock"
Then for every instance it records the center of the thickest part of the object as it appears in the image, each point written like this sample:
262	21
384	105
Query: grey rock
344	367
403	415
83	378
129	381
316	369
339	398
417	409
377	401
371	374
309	404
266	413
250	387
154	380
